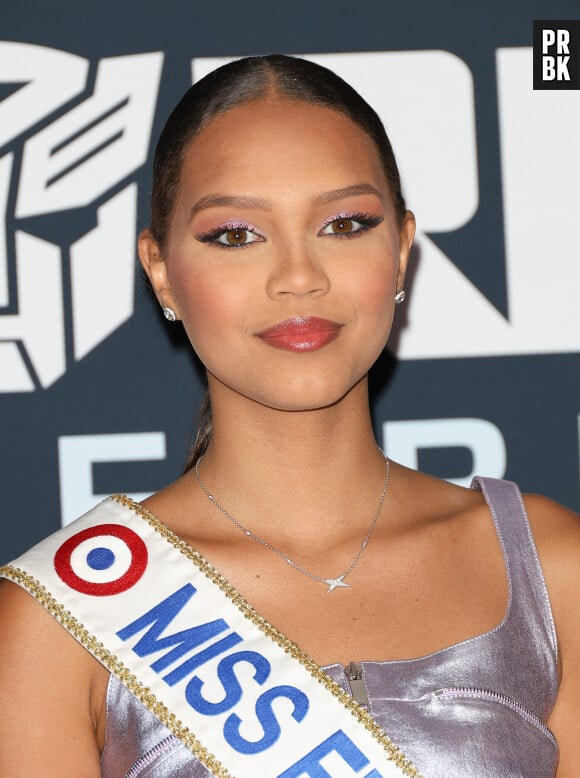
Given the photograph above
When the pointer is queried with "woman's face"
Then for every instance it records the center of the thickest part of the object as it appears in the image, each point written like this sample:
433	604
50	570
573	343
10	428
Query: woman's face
284	253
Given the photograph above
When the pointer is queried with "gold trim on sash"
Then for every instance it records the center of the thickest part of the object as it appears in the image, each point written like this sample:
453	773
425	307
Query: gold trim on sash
144	695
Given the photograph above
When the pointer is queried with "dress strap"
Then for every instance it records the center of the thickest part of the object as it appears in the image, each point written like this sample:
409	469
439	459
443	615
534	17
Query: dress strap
528	589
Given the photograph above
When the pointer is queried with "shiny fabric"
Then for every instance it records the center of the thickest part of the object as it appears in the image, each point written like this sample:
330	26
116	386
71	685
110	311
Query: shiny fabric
477	708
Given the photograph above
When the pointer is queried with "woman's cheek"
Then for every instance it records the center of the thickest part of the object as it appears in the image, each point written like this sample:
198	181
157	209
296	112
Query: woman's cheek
376	291
210	306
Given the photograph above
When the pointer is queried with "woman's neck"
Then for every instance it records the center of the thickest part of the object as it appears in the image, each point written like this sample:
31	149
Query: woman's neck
311	473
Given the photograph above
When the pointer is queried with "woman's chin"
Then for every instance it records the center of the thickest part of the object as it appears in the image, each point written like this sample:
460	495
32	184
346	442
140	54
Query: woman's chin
306	397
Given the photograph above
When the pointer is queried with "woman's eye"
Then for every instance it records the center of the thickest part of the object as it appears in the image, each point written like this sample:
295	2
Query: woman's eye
231	237
238	236
350	225
341	227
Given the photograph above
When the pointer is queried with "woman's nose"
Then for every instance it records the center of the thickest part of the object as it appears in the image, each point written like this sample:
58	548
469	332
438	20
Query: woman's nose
297	273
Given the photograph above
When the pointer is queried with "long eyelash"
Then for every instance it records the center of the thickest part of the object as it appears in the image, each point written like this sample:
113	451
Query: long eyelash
366	220
212	235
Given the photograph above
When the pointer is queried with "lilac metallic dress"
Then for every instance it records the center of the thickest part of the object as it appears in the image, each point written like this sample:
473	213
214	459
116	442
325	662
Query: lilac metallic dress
477	709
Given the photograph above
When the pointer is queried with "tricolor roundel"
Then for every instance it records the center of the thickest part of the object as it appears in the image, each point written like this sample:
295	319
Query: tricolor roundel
101	561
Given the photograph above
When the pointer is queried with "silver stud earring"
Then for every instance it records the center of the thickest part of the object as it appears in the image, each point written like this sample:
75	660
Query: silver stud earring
400	296
169	313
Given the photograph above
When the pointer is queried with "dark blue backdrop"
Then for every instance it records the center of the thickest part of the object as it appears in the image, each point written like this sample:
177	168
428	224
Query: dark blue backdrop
98	394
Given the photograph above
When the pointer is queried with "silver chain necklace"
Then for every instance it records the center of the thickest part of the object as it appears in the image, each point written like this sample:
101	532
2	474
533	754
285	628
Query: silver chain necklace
332	583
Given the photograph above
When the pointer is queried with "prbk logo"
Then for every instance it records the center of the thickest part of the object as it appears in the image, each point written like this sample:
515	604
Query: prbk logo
556	54
72	136
426	100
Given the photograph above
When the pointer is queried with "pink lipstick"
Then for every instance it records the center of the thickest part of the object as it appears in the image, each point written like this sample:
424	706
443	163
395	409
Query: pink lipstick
301	334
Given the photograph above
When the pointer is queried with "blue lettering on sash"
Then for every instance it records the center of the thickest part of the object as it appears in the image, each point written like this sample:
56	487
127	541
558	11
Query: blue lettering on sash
158	619
197	660
267	719
229	681
343	745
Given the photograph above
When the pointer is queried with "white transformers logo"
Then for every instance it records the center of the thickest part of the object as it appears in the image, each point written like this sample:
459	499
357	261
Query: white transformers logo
84	155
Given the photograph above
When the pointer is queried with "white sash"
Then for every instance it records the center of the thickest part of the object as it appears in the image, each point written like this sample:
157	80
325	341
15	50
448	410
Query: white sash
244	699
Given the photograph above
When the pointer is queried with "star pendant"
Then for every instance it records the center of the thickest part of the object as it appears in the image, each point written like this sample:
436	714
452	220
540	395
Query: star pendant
335	583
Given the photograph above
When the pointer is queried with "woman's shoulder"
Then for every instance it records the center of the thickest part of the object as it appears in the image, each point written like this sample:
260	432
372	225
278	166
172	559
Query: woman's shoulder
555	528
32	639
29	635
55	688
551	521
554	525
432	500
556	532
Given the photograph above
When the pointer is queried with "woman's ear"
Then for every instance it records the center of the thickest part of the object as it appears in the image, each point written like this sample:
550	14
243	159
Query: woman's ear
153	263
406	236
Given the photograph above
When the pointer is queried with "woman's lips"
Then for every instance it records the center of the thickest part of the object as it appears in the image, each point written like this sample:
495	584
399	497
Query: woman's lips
301	334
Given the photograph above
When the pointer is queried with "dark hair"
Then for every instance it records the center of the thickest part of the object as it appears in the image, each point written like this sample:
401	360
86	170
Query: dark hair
241	82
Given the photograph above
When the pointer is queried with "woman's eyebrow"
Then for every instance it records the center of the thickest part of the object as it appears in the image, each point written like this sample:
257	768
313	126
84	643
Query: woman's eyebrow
347	191
235	201
247	201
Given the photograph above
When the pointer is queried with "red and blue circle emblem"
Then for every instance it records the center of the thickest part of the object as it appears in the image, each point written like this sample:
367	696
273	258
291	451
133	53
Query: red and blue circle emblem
103	560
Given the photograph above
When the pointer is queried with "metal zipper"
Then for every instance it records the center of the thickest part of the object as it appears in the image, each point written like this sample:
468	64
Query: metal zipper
353	672
150	756
469	691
